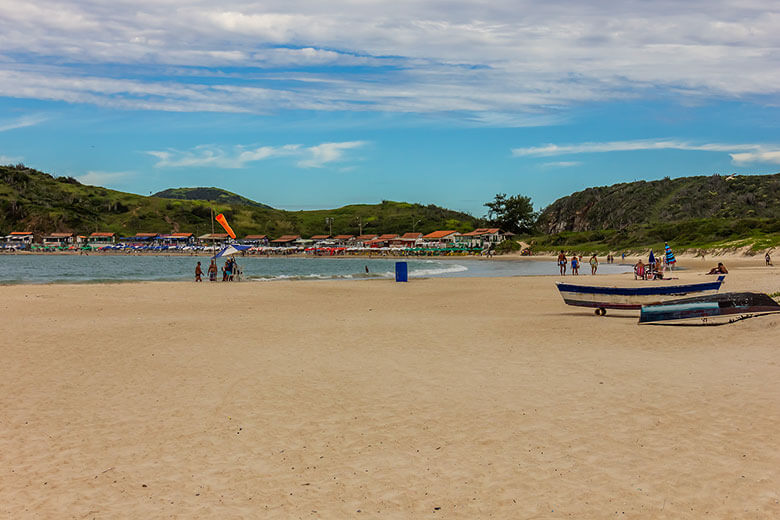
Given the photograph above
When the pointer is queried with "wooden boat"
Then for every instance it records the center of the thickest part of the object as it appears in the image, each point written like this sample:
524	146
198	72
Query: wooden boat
727	306
603	298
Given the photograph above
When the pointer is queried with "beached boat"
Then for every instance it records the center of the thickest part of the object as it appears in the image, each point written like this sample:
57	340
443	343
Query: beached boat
712	308
602	298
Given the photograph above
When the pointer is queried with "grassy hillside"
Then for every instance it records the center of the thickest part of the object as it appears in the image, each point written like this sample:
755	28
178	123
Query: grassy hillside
626	205
208	194
758	234
34	201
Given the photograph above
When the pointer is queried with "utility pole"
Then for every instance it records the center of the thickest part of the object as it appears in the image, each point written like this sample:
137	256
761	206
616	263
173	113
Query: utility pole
360	224
329	222
213	242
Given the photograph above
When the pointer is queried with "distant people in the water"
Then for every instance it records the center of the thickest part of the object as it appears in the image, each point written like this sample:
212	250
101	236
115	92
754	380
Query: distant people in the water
594	264
575	265
719	269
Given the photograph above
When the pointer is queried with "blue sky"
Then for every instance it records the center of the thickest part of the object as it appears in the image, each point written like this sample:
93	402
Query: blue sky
304	105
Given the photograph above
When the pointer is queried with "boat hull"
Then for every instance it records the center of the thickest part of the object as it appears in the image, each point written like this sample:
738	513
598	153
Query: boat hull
631	298
709	308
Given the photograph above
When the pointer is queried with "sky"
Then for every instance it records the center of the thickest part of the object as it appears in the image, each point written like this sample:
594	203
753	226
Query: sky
315	105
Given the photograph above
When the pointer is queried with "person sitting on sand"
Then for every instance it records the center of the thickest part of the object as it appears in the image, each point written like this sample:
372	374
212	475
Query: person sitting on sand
198	273
720	269
639	270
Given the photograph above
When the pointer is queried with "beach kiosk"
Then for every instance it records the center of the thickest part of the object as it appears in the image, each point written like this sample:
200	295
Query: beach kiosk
100	239
58	240
19	240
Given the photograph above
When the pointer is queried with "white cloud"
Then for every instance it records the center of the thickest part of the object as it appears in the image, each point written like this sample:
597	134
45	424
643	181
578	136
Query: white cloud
740	153
327	153
5	159
561	164
239	156
496	64
100	178
771	157
22	122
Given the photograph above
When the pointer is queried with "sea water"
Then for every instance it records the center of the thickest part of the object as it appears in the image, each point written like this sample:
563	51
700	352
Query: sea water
95	267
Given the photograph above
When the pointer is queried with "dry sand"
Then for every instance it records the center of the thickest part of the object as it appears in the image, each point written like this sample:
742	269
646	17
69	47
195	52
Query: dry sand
440	398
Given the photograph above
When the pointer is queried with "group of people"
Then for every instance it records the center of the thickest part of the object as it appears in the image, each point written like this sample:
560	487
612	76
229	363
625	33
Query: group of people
230	271
656	265
576	262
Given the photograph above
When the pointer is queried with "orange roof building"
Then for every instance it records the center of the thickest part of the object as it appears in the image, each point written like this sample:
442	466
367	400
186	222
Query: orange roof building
285	239
441	235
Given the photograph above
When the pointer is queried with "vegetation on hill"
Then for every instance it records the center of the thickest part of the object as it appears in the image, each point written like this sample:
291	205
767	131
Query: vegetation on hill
628	205
694	212
208	194
34	201
699	234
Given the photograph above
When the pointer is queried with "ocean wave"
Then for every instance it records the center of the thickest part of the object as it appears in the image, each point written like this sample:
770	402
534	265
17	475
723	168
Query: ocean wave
456	268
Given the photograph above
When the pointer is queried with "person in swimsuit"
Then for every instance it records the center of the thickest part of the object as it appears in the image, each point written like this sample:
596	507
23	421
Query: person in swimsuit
562	263
198	273
213	271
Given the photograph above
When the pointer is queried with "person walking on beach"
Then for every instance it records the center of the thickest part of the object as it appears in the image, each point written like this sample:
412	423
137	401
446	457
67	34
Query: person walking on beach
562	263
594	264
198	273
213	271
767	258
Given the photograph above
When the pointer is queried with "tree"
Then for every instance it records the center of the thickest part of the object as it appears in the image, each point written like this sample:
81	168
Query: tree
515	213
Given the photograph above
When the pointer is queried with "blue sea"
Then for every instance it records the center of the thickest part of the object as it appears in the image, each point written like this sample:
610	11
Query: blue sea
95	268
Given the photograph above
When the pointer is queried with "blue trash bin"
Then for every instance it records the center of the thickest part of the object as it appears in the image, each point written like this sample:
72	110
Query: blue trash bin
401	271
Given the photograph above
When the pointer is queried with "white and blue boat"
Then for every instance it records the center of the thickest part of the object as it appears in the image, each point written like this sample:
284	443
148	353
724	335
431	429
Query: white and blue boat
713	308
631	298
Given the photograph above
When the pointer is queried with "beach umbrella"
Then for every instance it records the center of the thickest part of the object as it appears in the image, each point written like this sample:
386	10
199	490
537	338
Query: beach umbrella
231	249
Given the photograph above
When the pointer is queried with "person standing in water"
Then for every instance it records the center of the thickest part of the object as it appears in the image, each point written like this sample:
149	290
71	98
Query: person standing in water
562	263
198	273
213	271
594	264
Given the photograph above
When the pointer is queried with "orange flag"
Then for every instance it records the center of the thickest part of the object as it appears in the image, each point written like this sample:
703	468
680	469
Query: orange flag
223	222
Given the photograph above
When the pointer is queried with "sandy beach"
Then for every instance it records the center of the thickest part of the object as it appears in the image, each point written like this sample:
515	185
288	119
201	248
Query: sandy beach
438	398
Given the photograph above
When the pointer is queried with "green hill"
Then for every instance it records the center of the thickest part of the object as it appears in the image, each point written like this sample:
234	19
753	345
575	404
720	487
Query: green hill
208	194
34	201
621	206
691	212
